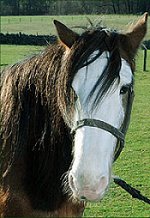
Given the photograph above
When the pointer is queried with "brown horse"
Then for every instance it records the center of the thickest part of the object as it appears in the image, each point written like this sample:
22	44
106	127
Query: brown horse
54	104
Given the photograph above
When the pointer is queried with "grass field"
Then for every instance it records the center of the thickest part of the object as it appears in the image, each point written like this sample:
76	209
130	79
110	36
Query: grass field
134	162
44	24
11	54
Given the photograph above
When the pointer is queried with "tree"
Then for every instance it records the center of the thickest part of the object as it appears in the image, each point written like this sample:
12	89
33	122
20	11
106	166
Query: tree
56	7
13	7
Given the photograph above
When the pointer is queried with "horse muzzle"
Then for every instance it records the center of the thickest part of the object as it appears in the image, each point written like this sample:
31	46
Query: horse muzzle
83	190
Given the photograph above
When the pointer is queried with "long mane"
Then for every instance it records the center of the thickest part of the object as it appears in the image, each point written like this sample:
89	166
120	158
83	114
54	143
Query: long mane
32	127
36	106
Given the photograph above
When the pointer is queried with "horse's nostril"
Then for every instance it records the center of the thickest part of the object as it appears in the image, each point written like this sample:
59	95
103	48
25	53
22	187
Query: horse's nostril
103	184
82	198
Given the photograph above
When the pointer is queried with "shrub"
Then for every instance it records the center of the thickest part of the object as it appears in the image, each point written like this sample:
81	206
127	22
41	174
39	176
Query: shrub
23	39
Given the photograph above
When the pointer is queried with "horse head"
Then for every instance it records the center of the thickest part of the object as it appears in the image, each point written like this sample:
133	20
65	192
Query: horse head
97	94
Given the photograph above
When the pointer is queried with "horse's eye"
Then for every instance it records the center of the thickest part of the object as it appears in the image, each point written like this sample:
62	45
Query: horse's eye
75	97
124	89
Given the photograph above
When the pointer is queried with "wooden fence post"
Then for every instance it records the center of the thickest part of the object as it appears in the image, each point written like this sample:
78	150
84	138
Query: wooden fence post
145	57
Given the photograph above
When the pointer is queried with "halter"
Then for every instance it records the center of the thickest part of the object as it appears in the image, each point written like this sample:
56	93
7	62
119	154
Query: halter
118	133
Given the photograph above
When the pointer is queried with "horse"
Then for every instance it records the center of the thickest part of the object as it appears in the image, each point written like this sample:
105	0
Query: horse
64	116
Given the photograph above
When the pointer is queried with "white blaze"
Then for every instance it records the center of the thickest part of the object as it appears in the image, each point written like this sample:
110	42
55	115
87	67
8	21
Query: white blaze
93	147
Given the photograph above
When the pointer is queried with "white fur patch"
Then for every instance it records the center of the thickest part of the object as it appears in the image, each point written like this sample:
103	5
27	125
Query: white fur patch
93	147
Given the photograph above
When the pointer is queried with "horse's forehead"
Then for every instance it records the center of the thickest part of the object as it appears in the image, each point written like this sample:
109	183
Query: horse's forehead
126	75
104	54
91	72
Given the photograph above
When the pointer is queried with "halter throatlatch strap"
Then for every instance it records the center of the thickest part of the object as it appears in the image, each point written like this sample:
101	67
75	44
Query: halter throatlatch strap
124	128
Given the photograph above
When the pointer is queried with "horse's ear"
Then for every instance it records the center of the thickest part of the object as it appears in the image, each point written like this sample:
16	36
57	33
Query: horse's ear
66	35
136	32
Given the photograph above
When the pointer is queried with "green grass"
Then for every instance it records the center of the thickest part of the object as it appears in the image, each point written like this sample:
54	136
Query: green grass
134	163
44	24
14	53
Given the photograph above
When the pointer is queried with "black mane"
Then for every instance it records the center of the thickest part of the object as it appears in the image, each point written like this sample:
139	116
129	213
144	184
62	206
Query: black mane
112	69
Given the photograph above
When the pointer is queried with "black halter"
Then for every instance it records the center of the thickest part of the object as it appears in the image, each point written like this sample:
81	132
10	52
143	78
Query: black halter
118	133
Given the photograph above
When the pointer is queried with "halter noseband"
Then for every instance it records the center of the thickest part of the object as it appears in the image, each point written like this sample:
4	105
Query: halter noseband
105	126
119	134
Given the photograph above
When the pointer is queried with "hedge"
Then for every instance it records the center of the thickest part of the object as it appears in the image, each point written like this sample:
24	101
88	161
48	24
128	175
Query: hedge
23	39
147	44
